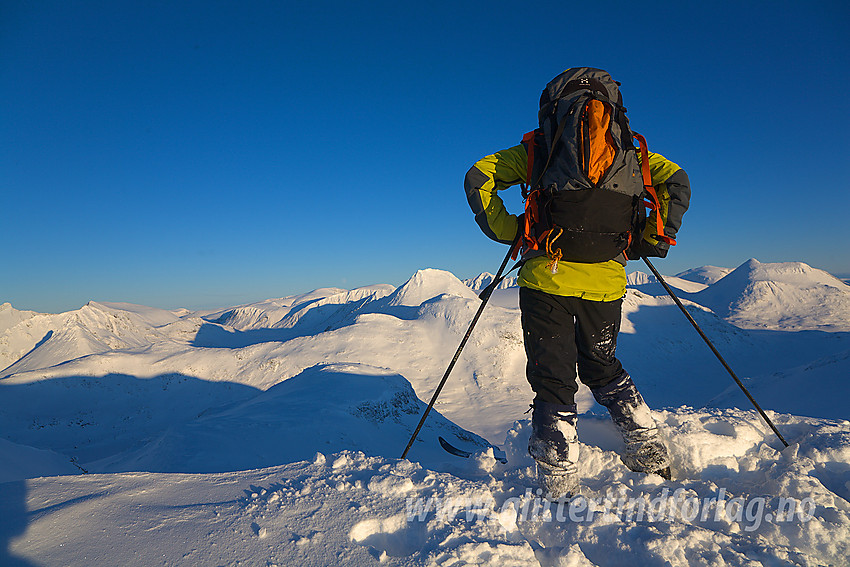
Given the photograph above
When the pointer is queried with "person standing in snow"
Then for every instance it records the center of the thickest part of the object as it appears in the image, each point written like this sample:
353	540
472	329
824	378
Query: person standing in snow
570	309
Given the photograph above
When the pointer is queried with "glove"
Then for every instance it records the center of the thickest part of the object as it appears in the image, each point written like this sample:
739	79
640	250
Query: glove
646	248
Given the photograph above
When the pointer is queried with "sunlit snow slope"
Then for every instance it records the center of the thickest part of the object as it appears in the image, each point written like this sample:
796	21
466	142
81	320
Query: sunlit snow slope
269	434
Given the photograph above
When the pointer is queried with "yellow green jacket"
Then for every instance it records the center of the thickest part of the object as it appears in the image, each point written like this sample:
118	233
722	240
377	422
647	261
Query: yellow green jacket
603	281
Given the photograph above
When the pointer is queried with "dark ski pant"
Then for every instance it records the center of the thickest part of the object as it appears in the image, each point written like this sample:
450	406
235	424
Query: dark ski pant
562	332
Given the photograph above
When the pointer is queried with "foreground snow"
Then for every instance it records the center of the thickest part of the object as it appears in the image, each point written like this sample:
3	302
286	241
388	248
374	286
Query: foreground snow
268	434
735	500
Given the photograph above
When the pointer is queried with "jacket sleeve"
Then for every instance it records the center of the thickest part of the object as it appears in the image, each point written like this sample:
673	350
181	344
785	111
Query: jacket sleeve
674	193
484	179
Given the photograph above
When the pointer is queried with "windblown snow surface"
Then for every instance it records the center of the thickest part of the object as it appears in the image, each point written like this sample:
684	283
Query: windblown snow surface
270	434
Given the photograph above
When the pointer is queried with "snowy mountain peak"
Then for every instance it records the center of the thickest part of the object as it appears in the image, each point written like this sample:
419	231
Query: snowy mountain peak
9	316
484	279
796	273
783	295
639	278
704	274
480	281
427	284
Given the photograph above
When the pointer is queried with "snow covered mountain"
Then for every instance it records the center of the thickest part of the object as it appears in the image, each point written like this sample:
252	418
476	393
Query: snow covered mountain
484	279
788	296
704	274
274	430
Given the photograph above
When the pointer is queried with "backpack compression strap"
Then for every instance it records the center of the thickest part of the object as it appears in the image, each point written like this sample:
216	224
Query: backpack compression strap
652	201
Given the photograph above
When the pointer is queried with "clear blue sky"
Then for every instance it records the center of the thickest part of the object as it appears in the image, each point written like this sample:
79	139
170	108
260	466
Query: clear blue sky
209	153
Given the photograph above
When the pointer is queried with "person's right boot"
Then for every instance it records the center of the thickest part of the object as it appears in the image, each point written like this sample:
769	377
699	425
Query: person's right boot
554	446
644	450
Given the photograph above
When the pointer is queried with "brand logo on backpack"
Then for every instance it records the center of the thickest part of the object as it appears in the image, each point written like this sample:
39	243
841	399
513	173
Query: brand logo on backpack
584	199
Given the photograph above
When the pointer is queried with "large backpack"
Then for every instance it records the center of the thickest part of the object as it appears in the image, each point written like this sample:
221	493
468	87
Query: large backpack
585	192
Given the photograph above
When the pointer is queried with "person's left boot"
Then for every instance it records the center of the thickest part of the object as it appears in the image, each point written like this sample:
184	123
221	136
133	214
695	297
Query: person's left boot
644	450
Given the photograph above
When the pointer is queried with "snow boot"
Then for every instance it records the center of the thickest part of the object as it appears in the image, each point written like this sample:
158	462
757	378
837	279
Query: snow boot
644	452
554	446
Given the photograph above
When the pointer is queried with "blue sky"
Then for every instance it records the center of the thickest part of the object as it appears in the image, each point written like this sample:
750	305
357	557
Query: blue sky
205	154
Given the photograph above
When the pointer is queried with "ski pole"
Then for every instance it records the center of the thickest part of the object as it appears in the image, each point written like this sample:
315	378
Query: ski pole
713	349
485	297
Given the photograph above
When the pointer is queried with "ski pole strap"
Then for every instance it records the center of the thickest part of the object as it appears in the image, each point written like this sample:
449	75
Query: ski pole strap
524	226
652	201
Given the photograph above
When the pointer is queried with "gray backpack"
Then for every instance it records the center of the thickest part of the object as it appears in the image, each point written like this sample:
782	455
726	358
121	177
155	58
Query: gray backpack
585	192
